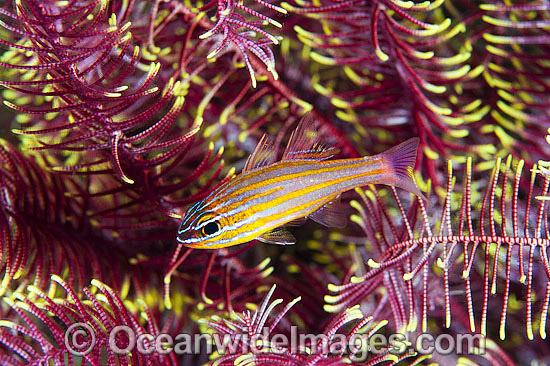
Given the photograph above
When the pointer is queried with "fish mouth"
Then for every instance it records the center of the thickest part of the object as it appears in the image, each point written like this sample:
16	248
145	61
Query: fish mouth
185	240
184	234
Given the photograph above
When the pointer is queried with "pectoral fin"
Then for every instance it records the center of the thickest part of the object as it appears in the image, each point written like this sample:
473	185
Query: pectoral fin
278	236
332	215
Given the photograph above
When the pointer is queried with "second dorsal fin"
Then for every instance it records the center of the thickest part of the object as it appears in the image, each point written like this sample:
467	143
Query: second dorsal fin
305	143
263	155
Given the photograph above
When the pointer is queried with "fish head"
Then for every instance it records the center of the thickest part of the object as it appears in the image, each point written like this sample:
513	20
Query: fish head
202	228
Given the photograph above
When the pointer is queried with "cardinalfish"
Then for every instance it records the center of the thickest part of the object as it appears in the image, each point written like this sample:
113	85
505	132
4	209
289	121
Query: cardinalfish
269	195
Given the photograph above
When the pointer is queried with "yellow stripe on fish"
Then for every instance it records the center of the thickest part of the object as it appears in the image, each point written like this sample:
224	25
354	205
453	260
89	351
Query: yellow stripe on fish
267	195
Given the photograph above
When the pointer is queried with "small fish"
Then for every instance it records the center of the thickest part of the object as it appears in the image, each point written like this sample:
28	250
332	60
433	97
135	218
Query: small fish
268	195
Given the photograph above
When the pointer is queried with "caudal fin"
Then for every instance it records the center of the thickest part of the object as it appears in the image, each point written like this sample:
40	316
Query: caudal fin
399	162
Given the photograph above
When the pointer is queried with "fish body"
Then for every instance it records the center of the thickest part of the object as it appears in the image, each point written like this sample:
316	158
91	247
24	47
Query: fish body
268	195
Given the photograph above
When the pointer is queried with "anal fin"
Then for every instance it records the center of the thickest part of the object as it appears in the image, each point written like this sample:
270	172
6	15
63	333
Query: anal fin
279	236
331	215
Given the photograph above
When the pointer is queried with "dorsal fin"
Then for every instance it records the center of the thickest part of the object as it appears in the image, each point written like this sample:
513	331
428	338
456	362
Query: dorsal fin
305	143
263	155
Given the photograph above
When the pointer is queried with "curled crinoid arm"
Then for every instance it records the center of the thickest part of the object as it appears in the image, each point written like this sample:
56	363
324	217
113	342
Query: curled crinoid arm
325	349
518	32
93	88
233	31
386	64
45	228
45	326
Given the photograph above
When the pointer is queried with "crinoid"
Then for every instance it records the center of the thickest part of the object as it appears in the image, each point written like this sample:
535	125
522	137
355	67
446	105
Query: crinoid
491	249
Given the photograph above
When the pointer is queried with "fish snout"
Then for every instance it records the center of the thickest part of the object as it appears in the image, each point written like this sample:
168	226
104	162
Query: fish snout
185	235
188	239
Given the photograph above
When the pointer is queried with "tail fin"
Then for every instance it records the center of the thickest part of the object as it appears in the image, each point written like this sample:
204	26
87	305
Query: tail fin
399	162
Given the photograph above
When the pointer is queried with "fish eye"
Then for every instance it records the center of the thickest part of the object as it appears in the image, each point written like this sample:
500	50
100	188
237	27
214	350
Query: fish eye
211	228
